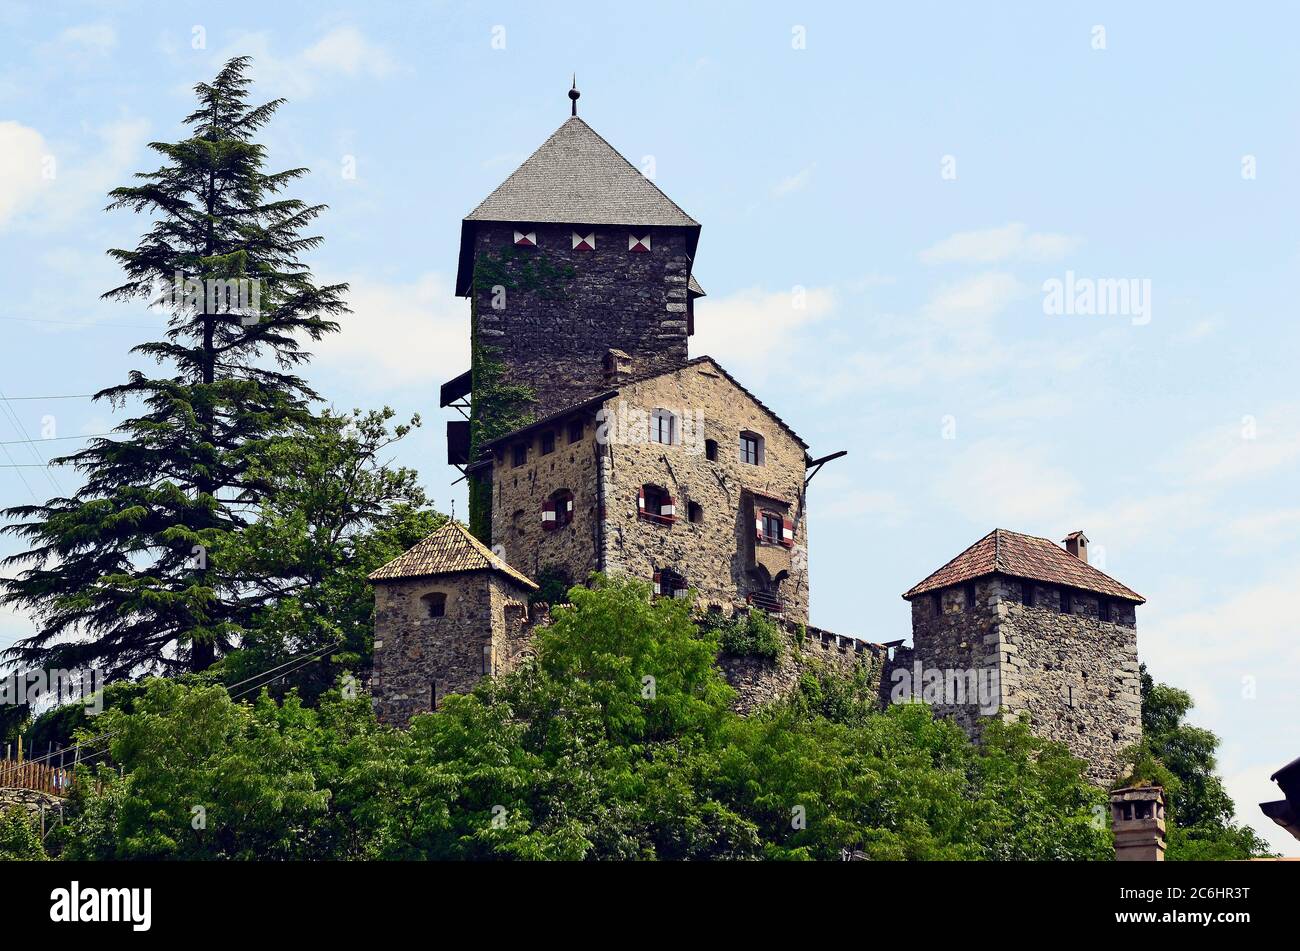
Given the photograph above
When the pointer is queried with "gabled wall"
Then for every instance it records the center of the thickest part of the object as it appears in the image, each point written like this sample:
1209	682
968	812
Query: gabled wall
717	556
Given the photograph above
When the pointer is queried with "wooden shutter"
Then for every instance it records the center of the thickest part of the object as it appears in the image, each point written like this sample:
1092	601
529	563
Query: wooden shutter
548	514
787	532
658	582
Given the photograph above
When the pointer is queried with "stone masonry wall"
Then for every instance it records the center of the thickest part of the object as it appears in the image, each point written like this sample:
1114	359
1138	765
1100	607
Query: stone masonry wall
758	680
1075	676
717	555
416	654
518	494
564	308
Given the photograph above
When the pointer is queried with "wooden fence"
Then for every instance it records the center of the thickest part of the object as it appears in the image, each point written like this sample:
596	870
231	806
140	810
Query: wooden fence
15	774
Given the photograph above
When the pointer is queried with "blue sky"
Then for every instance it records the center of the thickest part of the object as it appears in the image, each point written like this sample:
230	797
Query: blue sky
1154	148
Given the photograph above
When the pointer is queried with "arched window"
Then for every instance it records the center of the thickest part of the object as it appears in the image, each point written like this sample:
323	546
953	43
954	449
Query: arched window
654	504
435	604
557	511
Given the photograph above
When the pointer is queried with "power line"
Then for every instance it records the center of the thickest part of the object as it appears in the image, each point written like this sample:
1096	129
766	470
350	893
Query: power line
15	442
18	423
79	323
296	663
70	396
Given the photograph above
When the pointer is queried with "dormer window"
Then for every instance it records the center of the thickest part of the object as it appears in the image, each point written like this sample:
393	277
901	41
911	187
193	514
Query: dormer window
751	449
584	242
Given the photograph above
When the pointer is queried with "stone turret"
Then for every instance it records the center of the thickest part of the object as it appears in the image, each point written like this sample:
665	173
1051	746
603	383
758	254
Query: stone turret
1016	625
447	613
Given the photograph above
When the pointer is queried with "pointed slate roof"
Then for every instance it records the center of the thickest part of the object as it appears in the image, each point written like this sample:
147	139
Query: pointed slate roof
1024	556
449	550
576	176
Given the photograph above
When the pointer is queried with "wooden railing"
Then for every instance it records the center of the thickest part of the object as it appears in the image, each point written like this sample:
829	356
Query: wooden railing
41	777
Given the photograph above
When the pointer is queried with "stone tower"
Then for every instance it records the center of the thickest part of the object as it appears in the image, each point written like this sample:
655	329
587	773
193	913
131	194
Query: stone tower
1020	625
577	269
576	256
447	612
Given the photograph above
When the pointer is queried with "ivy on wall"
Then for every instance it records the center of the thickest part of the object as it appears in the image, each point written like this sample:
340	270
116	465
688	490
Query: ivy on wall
497	406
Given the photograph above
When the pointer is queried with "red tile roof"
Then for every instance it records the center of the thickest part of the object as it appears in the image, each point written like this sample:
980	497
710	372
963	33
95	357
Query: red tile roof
449	550
1024	556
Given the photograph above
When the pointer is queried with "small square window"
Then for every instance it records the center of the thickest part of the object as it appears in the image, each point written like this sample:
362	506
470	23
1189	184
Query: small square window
520	455
771	528
548	443
575	431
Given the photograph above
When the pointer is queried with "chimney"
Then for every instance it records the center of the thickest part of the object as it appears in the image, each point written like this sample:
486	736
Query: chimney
1076	543
1138	821
618	366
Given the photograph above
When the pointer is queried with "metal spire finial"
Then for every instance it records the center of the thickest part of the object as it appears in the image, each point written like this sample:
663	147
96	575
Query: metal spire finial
573	95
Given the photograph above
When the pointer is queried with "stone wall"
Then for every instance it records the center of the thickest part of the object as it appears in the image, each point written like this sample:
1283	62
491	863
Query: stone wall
717	555
31	800
564	309
518	494
759	680
420	659
1075	676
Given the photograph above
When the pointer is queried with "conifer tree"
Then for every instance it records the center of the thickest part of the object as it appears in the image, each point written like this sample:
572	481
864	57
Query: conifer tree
126	573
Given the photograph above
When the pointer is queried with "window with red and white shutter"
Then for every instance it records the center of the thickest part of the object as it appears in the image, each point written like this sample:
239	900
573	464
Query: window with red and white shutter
548	514
787	532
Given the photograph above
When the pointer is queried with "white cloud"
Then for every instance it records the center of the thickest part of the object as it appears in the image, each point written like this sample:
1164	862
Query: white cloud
1010	242
414	334
794	183
52	185
974	299
1252	447
1004	484
343	51
748	331
1263	529
22	154
88	38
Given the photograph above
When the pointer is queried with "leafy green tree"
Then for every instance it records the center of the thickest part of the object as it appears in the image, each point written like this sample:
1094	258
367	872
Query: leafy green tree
619	742
126	573
20	837
335	510
1181	758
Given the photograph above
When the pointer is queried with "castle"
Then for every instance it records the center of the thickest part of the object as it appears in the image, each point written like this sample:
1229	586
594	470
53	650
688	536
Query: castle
593	442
